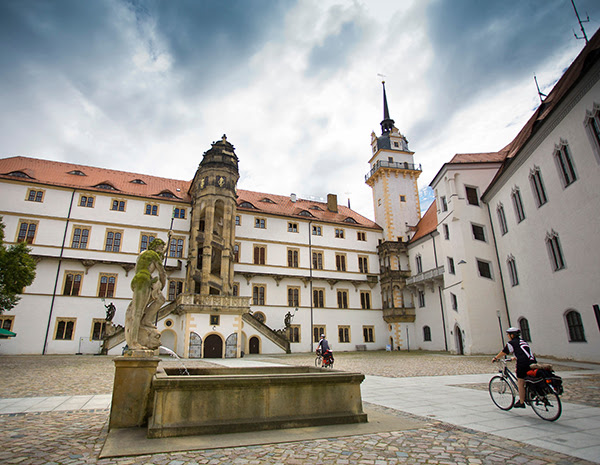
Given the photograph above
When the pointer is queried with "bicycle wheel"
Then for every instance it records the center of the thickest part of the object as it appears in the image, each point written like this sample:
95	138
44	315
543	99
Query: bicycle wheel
318	361
547	406
502	393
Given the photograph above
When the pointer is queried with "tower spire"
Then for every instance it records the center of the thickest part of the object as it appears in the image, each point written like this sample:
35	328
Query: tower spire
387	124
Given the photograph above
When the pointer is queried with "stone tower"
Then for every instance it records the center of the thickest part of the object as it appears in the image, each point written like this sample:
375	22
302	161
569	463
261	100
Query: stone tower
212	236
393	179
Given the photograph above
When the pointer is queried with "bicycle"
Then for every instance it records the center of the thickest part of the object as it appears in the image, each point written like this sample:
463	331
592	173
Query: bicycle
320	363
541	396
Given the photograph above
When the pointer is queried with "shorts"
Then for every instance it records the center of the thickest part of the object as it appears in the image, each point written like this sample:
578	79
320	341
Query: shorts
522	370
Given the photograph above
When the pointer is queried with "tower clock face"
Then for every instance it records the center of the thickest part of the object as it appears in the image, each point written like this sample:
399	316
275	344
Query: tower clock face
220	181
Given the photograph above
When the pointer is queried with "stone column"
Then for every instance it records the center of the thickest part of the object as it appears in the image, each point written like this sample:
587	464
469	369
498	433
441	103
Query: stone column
130	405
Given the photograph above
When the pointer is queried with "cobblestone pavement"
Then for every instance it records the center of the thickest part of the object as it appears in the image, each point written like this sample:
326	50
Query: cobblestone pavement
76	437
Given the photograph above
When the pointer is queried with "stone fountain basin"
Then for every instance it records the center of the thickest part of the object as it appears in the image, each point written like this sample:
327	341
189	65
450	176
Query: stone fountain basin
229	400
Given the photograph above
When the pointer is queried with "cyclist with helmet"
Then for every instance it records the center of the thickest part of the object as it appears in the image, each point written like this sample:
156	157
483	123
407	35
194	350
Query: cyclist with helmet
325	350
524	355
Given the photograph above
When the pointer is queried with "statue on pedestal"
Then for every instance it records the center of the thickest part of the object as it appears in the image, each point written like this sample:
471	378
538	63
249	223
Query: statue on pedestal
147	286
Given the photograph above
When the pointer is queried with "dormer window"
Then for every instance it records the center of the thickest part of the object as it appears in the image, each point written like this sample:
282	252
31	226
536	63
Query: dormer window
247	205
305	213
137	181
19	174
106	186
267	200
314	207
167	194
350	220
77	173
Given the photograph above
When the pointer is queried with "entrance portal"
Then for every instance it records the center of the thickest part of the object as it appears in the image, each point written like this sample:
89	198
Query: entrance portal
254	345
213	347
460	349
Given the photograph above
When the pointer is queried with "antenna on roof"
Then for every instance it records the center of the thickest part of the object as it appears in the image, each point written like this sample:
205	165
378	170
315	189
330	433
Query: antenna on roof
540	94
580	23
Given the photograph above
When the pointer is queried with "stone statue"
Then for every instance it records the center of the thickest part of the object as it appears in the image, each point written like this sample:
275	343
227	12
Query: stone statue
110	312
140	329
288	319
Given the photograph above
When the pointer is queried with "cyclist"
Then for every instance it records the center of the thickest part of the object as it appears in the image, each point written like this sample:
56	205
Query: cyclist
325	351
524	355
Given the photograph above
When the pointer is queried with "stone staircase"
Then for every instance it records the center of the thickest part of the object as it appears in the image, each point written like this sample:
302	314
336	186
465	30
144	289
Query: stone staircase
277	337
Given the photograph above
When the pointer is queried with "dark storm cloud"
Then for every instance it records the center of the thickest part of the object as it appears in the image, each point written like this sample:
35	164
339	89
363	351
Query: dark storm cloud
334	51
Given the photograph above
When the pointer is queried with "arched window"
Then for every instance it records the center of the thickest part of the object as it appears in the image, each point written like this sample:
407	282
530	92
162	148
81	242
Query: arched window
575	326
426	333
524	326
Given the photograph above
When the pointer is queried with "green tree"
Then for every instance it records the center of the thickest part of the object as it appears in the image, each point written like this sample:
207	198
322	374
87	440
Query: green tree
17	270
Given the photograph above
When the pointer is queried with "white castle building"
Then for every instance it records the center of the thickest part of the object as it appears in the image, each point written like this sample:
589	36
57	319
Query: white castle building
511	240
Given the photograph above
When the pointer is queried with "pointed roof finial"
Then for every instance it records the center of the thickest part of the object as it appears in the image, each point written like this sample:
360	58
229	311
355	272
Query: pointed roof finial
387	124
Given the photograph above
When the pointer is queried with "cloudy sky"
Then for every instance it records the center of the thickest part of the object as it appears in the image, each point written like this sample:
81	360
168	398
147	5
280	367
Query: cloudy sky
147	85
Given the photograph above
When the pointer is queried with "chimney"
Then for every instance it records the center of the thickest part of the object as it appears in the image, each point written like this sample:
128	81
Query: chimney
293	197
332	203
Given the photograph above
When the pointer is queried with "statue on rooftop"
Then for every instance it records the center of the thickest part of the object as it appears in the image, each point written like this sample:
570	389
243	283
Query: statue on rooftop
147	286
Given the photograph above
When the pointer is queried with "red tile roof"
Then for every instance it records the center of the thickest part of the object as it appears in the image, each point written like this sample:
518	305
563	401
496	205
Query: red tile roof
486	157
427	224
55	173
284	206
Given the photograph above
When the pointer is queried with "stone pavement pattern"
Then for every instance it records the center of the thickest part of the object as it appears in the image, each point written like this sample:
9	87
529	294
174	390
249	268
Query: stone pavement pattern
76	437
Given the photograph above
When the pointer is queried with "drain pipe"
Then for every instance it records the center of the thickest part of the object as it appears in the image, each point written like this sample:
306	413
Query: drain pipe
499	269
310	283
441	296
62	249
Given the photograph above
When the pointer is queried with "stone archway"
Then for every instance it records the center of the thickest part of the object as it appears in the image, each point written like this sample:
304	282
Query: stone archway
254	345
460	347
213	346
195	346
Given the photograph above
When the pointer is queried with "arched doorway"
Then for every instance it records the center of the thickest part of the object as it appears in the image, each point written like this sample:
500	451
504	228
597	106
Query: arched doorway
254	345
460	348
213	347
195	346
231	346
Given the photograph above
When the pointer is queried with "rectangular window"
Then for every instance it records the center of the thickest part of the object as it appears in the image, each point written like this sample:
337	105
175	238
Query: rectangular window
145	240
260	223
238	220
179	213
293	296
342	298
65	327
86	201
176	247
339	233
454	301
293	227
592	125
258	294
260	253
317	260
317	231
451	268
293	258
35	196
6	322
518	204
403	198
295	333
537	185
478	232
344	334
107	285
446	230
472	196
368	334
235	289
113	241
340	262
421	299
81	235
118	205
554	249
365	300
151	209
565	166
175	288
72	283
27	231
512	271
319	298
502	219
317	331
484	268
363	264
444	204
361	236
236	252
596	313
98	329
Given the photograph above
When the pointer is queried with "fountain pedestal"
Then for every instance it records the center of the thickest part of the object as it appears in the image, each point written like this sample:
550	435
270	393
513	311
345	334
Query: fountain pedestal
132	388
